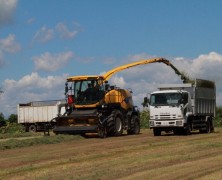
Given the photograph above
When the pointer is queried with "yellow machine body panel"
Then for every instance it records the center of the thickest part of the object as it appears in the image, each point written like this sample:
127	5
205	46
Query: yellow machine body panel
121	96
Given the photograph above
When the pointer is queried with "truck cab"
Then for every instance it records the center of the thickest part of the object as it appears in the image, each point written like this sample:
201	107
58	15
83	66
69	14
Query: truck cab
182	108
169	109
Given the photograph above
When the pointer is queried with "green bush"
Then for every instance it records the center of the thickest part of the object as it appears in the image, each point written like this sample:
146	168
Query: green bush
144	119
218	117
12	128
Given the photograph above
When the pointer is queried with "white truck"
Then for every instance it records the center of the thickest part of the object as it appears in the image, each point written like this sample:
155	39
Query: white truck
182	108
36	115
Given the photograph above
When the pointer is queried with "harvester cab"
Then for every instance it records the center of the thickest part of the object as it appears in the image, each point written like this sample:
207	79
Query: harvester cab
82	91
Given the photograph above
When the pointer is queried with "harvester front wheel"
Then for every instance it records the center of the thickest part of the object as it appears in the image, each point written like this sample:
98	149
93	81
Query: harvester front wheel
115	123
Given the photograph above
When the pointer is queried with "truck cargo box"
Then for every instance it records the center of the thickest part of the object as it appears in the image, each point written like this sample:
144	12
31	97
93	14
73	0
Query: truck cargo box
203	95
37	113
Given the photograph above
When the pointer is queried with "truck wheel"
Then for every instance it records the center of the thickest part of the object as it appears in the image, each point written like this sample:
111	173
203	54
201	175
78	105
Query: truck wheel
187	130
211	126
156	132
207	127
135	129
115	123
32	128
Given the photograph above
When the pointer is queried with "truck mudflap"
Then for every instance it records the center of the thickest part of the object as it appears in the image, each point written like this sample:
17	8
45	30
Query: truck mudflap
75	129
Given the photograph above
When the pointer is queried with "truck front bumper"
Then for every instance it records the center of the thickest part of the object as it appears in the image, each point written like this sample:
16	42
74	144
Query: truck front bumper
164	123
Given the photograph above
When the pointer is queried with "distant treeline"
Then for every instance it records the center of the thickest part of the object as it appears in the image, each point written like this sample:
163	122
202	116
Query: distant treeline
144	118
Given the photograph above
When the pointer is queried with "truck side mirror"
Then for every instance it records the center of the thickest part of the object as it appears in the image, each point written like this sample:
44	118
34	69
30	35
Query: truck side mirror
146	101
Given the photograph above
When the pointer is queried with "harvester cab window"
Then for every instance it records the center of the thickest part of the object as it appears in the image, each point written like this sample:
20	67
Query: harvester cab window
88	91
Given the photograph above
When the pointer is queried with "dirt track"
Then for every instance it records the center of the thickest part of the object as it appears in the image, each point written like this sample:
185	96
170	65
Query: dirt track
127	157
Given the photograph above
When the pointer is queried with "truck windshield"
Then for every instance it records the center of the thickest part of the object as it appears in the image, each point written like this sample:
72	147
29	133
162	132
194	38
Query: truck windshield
168	99
86	91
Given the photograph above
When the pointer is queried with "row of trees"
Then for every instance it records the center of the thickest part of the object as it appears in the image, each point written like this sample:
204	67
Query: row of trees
144	117
13	118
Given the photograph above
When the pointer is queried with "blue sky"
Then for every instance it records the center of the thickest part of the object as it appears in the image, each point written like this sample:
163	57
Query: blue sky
43	42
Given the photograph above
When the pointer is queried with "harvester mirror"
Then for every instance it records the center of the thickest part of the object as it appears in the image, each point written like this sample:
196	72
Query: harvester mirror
66	88
107	87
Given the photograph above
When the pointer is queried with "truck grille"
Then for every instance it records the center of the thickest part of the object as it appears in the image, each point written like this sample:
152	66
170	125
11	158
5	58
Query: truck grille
165	117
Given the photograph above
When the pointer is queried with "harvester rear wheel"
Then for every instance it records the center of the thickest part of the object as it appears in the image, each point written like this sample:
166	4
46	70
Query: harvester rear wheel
115	123
102	132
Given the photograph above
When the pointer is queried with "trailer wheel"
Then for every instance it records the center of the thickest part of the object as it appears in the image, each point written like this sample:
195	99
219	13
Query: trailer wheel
115	123
156	132
207	127
135	129
32	128
211	126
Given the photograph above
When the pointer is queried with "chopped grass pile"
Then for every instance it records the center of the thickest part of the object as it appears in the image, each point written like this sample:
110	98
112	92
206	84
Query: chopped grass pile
18	143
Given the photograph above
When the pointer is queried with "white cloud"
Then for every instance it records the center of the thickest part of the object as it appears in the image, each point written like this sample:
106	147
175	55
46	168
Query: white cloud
208	66
31	20
43	35
7	8
109	61
118	81
9	44
30	88
64	32
1	59
59	31
50	62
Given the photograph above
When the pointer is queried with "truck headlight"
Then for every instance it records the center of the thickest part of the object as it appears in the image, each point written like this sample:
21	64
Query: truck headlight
179	123
151	123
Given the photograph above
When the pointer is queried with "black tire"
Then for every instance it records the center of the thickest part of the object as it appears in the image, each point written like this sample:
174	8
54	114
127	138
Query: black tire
187	130
115	123
211	126
32	128
156	132
207	127
102	133
135	126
